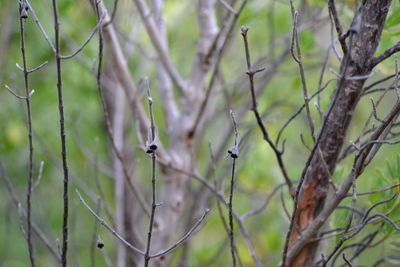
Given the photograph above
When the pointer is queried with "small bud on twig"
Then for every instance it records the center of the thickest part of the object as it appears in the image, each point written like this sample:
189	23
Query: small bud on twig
24	8
234	152
100	243
152	147
244	30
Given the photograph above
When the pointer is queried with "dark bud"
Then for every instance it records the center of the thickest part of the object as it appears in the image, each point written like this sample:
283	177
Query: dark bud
24	11
234	152
151	147
244	30
100	243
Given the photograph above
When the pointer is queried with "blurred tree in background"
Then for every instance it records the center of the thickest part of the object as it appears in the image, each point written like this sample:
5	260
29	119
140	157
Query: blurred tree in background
154	95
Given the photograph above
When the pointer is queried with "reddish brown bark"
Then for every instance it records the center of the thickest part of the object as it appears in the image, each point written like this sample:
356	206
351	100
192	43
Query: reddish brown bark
343	102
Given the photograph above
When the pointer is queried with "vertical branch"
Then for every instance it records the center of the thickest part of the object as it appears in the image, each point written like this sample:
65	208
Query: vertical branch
94	236
154	34
164	81
100	12
338	25
208	31
152	147
234	152
364	37
24	15
250	73
118	129
62	134
299	61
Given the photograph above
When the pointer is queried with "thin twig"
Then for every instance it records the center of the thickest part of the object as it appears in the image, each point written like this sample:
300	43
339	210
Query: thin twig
345	259
234	152
184	238
24	8
113	13
152	146
109	228
228	6
62	134
51	247
295	114
42	30
388	53
39	176
18	96
224	34
222	200
265	134
94	236
86	42
34	69
298	59
118	153
338	25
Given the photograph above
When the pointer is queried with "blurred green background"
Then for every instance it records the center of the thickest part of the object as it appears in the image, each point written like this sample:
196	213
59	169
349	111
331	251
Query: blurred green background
258	173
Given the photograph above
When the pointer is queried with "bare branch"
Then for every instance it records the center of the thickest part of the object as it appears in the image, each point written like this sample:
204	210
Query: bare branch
299	60
218	47
228	6
234	152
34	69
251	73
338	25
208	31
347	262
184	238
42	30
88	39
23	7
164	81
385	55
57	55
136	192
358	167
18	96
154	35
35	228
118	60
109	228
151	149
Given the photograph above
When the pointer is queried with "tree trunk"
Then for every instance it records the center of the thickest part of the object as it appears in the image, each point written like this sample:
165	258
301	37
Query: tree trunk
355	67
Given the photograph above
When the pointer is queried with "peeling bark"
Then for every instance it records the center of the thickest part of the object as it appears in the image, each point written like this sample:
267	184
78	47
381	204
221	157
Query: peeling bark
347	93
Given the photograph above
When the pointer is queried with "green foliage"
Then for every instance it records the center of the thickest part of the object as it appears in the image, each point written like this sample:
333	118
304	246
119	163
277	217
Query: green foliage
87	140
